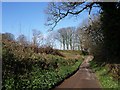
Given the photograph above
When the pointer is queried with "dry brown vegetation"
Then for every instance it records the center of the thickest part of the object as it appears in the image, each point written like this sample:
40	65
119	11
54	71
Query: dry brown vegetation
71	54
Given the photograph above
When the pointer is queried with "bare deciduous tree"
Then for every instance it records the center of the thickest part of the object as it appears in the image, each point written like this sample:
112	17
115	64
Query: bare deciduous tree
57	11
37	38
65	37
51	39
91	37
22	39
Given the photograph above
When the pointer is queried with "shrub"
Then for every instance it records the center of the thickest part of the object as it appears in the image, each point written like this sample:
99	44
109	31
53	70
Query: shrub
24	69
49	50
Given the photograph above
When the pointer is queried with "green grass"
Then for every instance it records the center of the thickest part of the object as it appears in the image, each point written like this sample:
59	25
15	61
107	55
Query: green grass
104	77
71	52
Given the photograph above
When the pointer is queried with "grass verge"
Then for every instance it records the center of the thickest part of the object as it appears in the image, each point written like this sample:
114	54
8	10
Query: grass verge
103	75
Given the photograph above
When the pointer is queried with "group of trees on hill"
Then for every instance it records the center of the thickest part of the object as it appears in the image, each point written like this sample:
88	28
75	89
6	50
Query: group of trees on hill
66	36
70	38
109	27
84	37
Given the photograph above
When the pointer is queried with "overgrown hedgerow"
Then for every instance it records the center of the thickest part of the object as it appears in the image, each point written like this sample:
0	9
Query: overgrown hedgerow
25	69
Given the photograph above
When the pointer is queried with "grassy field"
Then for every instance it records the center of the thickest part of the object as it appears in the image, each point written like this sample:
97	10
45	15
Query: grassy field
72	54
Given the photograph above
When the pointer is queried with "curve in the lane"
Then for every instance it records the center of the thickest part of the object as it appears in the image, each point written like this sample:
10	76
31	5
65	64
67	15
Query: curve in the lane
83	78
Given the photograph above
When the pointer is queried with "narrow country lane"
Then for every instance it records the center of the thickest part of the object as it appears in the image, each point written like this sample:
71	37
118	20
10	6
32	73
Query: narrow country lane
83	78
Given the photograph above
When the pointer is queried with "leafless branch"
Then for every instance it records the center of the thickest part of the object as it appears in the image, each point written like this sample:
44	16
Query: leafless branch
60	11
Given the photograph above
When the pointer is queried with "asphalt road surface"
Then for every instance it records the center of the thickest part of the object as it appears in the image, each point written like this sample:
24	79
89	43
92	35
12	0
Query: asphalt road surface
83	78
